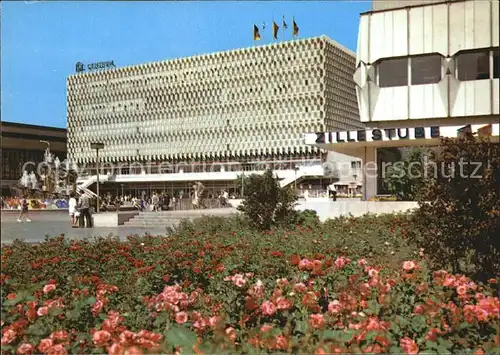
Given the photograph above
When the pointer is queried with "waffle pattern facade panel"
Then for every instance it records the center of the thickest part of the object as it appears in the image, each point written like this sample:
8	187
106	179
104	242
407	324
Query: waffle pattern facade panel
251	102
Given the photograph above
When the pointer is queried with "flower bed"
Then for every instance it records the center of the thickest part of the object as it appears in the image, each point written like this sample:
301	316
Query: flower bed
345	286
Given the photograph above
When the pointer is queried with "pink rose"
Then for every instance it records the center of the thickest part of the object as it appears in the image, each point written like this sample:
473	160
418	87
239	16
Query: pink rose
181	317
49	288
8	337
268	308
283	303
45	345
409	265
101	338
334	307
25	348
42	311
317	321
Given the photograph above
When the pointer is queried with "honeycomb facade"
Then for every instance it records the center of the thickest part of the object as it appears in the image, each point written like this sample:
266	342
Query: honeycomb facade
241	104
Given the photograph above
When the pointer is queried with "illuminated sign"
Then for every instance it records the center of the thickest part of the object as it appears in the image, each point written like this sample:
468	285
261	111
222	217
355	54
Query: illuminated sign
374	135
80	67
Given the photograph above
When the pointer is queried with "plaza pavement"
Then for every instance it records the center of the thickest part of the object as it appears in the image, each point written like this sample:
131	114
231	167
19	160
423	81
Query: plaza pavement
55	223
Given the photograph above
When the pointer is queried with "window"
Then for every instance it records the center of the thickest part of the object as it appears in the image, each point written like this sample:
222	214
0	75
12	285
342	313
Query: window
393	72
496	63
473	65
426	69
355	164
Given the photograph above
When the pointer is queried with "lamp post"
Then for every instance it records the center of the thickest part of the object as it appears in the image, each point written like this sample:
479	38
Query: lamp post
295	168
45	185
242	183
97	146
46	142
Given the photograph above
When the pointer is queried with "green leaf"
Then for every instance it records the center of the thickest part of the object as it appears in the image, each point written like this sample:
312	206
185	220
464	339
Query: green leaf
463	325
346	335
90	301
55	311
370	335
301	327
179	336
330	334
36	330
443	350
431	344
396	350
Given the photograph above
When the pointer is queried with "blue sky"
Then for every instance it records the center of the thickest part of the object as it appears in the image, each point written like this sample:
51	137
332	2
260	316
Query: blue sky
42	41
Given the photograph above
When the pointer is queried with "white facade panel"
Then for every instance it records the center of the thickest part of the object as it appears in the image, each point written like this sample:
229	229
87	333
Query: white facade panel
392	34
391	104
482	24
439	28
399	33
496	96
470	25
471	98
495	16
363	104
429	100
457	28
378	38
363	51
419	33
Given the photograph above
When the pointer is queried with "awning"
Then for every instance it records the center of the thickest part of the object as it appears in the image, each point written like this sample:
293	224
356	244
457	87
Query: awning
348	183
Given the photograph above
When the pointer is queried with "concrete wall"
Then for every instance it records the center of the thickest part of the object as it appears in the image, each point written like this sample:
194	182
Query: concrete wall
327	209
380	5
112	219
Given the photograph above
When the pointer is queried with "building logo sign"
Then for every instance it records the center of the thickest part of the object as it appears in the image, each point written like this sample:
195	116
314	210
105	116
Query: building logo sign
376	135
80	67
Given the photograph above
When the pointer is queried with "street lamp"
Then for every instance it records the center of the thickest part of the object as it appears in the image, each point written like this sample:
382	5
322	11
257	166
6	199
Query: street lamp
295	168
46	142
97	146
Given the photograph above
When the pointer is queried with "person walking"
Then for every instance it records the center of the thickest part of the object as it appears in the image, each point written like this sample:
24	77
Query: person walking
24	210
84	208
72	209
155	201
167	202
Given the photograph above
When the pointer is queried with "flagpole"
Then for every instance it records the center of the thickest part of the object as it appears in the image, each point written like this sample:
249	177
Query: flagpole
283	27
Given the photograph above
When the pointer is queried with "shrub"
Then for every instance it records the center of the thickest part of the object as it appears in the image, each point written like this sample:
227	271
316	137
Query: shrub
266	203
404	178
459	214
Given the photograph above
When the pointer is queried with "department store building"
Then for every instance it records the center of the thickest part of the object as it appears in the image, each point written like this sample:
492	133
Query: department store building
424	70
212	117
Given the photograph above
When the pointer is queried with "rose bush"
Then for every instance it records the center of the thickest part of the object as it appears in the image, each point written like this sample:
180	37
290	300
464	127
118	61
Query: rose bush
350	285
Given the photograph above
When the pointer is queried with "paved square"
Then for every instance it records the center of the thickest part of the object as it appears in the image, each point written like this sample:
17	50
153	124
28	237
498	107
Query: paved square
55	223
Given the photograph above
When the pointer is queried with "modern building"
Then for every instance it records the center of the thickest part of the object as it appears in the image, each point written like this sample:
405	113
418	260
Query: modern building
212	117
23	147
424	69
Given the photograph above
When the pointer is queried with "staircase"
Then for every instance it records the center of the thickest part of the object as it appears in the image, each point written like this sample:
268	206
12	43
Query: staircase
171	219
83	185
289	176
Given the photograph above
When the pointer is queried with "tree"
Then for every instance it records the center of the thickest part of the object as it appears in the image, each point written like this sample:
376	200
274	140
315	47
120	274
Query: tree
459	207
265	202
404	178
